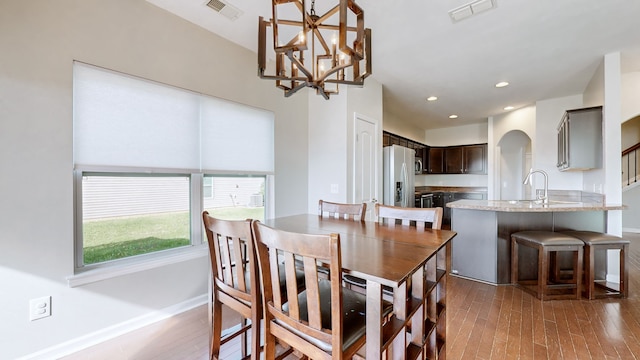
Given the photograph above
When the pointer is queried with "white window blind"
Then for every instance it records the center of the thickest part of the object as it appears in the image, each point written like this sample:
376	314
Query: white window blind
235	137
120	120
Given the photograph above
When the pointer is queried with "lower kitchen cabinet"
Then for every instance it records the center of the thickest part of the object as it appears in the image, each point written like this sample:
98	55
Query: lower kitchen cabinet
440	199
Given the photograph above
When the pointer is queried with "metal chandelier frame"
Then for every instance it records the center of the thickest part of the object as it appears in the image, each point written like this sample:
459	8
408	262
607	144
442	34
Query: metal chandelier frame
305	58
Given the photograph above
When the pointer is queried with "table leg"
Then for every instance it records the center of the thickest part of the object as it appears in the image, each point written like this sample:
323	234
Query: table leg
374	320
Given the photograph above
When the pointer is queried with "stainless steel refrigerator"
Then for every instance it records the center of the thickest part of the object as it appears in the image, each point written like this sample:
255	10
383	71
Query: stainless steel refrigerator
399	175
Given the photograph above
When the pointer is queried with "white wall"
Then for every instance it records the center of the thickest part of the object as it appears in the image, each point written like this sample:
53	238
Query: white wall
630	95
401	127
545	144
327	148
457	135
331	128
39	40
515	157
630	136
523	120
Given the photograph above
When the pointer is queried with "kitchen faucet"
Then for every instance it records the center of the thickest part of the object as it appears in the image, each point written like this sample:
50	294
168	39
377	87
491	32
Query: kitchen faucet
527	180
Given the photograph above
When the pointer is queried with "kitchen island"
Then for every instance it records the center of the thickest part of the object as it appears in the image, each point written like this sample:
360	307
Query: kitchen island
482	249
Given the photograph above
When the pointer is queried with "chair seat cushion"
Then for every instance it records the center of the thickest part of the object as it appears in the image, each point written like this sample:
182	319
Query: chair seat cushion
547	238
597	238
354	307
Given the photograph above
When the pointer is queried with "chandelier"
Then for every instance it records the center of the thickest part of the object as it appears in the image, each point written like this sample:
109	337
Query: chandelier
311	50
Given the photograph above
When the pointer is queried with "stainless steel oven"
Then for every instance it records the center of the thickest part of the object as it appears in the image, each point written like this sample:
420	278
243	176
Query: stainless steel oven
426	201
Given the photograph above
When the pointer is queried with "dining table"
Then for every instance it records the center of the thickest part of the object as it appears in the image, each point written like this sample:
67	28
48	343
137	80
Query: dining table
410	263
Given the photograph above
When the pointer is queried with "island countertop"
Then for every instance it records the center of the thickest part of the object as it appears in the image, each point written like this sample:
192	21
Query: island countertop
531	206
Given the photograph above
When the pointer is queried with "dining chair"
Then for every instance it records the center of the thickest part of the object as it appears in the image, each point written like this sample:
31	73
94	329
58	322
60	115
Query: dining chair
355	212
324	321
235	282
421	218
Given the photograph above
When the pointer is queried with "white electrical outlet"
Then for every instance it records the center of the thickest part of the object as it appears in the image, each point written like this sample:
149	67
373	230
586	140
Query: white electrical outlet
39	308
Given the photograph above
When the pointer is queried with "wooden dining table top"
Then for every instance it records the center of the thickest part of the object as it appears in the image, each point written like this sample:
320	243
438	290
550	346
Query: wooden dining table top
372	251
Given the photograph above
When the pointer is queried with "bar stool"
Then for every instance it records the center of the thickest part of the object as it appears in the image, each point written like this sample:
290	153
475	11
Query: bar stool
549	285
595	268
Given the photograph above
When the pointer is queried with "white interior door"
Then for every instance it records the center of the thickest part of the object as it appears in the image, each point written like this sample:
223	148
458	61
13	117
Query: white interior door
365	164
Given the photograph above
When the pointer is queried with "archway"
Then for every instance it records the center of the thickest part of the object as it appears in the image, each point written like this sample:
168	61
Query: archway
514	149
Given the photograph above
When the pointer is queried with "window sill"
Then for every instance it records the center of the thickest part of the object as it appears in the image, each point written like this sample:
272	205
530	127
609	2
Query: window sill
99	272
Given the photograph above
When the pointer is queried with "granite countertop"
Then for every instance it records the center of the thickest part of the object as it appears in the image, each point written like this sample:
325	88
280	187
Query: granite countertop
531	206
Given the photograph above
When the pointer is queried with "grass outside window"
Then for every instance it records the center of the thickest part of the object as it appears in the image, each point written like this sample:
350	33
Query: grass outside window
117	238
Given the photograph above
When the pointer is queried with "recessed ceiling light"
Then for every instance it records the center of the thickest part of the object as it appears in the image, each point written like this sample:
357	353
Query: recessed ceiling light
508	107
432	98
453	116
502	84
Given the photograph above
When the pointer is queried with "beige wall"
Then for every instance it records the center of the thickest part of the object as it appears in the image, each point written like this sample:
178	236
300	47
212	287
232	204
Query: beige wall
38	42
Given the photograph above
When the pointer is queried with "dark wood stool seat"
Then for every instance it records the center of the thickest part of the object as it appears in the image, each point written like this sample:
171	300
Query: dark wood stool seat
549	284
595	268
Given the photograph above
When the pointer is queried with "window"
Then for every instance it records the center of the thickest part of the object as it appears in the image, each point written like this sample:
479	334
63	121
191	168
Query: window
207	188
236	198
149	158
131	215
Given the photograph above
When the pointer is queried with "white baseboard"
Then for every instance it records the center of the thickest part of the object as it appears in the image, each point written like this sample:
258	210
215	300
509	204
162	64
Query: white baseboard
613	278
631	230
83	342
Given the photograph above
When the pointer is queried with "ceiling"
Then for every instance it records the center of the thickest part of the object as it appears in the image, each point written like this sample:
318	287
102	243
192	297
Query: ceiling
543	48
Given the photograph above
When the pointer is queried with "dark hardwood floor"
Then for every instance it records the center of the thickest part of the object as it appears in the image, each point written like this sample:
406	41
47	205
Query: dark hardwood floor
483	322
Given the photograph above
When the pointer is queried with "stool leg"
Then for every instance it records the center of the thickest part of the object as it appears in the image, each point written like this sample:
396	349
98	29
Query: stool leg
624	273
578	266
589	272
514	261
543	272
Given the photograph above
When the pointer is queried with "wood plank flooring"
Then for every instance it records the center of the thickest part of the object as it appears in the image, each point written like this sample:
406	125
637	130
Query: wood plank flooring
483	322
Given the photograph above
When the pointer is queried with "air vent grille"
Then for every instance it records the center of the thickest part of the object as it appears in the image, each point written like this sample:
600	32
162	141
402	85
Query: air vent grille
470	9
216	5
224	8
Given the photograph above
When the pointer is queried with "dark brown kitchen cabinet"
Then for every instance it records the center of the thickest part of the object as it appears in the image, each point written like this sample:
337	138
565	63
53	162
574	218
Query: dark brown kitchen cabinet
436	160
466	159
453	160
461	159
475	159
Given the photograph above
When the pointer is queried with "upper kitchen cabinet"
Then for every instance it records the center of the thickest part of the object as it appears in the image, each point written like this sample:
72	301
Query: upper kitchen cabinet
461	159
580	139
474	159
453	160
466	159
436	161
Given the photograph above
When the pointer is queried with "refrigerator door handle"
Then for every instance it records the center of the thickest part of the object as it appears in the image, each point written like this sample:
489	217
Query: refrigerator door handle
405	177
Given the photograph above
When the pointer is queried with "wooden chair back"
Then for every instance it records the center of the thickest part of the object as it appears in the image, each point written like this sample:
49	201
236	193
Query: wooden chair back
418	217
299	321
355	212
235	278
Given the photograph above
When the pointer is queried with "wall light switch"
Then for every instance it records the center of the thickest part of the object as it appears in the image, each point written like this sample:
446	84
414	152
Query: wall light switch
334	188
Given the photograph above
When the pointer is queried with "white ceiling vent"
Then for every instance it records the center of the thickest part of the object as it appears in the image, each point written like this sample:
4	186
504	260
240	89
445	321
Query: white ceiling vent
470	9
225	9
